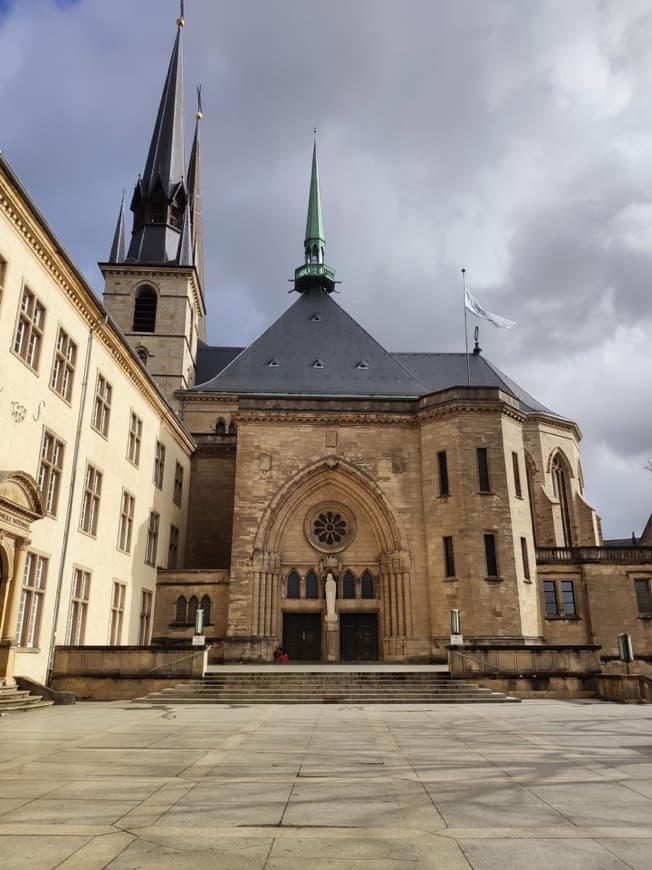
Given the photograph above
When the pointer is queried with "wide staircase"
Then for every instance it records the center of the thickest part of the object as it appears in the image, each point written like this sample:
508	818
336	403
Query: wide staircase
320	687
13	699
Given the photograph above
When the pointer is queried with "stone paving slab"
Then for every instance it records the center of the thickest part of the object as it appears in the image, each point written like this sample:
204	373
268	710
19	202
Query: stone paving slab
348	787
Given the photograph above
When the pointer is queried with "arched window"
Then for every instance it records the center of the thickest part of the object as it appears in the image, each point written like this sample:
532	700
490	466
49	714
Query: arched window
231	428
220	427
292	587
206	607
193	604
367	585
348	585
180	615
145	310
560	488
312	590
315	254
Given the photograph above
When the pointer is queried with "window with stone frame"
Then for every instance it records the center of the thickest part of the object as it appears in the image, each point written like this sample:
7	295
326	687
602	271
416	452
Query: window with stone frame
29	329
81	590
126	523
159	465
145	619
177	493
442	464
449	556
483	469
292	585
559	599
134	438
3	275
525	559
50	470
145	310
102	406
91	500
173	547
28	624
152	538
491	557
348	584
180	609
118	597
312	585
206	607
643	596
517	476
367	587
63	367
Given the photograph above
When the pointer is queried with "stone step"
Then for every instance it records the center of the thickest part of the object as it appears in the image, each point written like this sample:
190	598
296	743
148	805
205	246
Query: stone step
340	699
14	700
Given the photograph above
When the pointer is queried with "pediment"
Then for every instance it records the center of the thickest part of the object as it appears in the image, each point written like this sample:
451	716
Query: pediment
20	496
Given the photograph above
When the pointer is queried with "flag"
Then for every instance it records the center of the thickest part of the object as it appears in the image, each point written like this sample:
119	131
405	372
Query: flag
471	304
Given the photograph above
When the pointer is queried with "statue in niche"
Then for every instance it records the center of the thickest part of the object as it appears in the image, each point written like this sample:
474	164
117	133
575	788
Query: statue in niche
330	589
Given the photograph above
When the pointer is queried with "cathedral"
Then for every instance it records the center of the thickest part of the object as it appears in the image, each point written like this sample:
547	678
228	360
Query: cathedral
325	493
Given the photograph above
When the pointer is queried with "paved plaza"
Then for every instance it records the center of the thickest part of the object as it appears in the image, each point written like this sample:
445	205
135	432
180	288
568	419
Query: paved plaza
541	784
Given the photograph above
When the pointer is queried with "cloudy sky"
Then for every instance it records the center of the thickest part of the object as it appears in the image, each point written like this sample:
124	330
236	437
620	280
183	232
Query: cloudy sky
512	137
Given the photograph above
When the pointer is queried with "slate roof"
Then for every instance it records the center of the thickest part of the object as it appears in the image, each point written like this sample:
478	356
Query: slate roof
316	349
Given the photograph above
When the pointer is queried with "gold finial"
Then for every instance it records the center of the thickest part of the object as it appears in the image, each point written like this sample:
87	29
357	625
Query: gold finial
181	19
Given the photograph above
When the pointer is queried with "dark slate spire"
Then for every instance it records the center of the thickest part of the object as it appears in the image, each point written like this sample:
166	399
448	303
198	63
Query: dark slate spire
117	254
160	196
194	194
314	272
185	255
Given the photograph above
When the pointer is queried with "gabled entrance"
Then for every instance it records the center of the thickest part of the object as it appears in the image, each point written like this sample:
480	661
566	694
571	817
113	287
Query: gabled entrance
359	637
302	636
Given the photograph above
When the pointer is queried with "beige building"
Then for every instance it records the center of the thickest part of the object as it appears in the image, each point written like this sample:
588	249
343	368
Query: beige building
313	489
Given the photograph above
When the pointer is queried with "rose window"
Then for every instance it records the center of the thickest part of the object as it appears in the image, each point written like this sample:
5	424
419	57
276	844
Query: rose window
329	528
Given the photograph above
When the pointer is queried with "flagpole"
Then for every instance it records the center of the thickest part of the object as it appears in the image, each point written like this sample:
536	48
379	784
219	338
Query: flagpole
466	330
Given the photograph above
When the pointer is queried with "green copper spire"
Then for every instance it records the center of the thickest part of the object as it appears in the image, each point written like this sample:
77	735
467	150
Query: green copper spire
314	272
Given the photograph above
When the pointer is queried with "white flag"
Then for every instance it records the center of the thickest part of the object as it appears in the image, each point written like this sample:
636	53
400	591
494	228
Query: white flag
471	304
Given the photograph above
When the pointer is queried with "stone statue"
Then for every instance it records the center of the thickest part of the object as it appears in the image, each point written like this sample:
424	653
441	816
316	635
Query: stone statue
331	592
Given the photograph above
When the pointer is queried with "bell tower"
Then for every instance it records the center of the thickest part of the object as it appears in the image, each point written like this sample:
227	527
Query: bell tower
154	283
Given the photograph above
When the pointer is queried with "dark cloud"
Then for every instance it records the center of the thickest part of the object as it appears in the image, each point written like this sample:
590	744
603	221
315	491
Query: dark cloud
511	138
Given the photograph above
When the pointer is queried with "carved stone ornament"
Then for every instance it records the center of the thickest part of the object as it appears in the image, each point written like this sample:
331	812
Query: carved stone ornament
18	412
330	527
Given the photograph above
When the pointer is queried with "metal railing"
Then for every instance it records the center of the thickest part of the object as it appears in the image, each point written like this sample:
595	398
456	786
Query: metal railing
628	555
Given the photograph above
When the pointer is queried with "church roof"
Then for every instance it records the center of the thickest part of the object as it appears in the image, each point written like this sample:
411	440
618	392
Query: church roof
316	349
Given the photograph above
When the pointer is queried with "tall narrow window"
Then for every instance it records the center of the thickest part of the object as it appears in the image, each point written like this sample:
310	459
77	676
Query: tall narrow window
490	555
49	472
81	588
152	539
348	585
206	607
483	469
180	609
145	617
63	368
560	489
292	585
568	598
91	500
550	598
145	310
117	613
134	439
177	493
524	557
102	406
29	329
517	476
312	587
173	548
193	606
449	556
643	596
367	586
31	602
3	275
443	473
125	526
159	465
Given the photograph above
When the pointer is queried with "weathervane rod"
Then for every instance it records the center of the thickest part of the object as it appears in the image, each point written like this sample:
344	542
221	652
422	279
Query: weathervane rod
466	330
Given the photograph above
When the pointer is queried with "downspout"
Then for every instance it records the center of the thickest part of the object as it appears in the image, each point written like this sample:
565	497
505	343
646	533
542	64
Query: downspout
71	492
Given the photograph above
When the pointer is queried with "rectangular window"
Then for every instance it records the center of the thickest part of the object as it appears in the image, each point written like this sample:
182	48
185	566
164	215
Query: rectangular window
526	561
643	597
117	613
49	471
490	555
517	476
91	500
126	525
63	369
152	539
550	597
29	329
443	473
173	549
568	598
102	407
135	435
483	469
178	485
145	617
31	601
159	465
449	556
81	588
